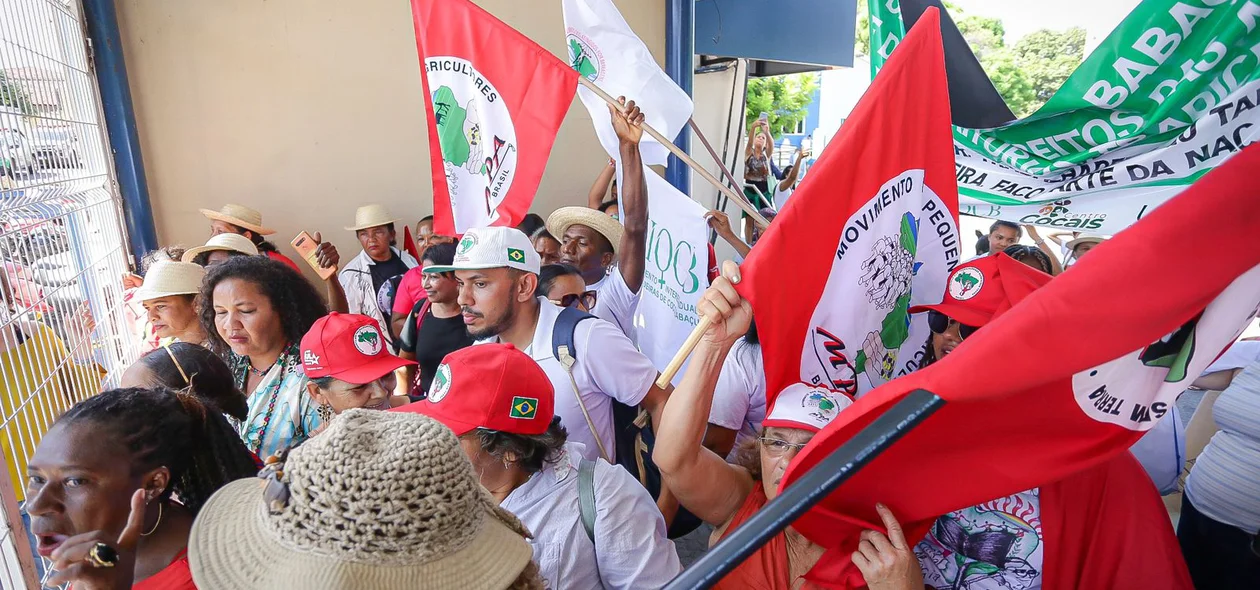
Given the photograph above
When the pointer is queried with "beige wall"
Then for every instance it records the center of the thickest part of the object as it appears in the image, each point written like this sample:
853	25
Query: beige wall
306	109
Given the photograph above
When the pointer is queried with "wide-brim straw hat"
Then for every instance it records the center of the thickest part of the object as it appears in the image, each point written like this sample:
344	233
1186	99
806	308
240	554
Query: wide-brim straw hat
400	509
562	218
228	242
167	277
1085	240
371	216
240	216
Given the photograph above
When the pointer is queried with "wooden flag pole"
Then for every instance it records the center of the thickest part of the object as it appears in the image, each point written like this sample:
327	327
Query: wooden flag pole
669	144
721	165
680	357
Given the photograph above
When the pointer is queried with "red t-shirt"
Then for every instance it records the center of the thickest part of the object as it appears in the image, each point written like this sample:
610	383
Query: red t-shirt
284	259
410	291
176	576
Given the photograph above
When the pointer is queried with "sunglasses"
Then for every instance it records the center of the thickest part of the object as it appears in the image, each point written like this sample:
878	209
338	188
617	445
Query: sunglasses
940	322
587	299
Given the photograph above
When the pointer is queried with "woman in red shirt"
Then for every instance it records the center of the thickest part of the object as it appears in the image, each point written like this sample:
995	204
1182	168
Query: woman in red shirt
114	486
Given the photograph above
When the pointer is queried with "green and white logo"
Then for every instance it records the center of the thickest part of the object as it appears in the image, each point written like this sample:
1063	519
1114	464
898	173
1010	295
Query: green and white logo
367	340
476	135
441	384
966	283
524	408
584	56
467	244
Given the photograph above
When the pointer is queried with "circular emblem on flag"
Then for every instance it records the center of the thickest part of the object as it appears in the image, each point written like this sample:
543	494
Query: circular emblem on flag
584	56
367	340
475	133
966	283
441	384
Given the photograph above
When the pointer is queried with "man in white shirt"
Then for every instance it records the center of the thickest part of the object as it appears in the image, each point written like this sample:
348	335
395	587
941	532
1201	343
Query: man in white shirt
593	525
611	254
379	261
497	270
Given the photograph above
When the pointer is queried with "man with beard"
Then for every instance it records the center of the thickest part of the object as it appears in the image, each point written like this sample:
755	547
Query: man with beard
497	272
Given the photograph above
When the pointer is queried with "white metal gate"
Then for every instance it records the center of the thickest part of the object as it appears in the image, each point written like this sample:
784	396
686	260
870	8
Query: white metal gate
63	323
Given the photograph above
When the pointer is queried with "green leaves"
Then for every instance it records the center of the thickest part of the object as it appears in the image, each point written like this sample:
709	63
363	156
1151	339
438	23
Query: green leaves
785	98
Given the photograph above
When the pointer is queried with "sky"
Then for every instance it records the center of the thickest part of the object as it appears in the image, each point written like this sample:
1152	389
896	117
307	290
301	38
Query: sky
1021	17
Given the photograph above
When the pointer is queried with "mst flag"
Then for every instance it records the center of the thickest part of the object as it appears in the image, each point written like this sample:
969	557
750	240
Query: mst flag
871	231
1063	381
495	102
604	49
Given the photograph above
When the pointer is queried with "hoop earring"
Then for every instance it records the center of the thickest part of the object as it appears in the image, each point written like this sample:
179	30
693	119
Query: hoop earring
325	412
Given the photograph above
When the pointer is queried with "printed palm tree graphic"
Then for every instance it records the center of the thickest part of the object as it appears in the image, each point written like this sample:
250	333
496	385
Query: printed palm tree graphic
581	62
967	281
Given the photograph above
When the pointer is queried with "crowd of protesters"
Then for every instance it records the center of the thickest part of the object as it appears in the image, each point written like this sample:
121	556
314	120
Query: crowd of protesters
456	420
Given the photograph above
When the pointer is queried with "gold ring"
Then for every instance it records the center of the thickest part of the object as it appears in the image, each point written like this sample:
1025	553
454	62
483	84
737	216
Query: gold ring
102	555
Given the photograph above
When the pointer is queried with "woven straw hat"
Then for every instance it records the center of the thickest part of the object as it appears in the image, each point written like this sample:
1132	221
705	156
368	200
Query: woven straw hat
371	216
1085	239
379	500
229	242
562	218
168	277
241	216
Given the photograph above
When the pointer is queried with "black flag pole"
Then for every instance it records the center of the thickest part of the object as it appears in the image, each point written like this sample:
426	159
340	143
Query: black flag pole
810	489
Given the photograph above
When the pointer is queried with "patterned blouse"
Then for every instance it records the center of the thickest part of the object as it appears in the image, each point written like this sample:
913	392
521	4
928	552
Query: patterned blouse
281	413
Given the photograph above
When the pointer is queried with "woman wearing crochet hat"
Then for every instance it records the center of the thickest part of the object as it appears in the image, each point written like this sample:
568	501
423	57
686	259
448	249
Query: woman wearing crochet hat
379	501
169	296
594	525
725	494
348	365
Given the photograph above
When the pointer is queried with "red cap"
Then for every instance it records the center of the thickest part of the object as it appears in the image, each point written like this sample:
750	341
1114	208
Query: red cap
348	347
985	288
491	386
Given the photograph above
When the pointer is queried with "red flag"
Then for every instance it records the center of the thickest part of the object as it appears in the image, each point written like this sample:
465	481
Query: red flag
871	231
495	101
1065	380
409	243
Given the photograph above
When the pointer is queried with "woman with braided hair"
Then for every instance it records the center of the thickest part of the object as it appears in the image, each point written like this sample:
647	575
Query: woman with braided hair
114	486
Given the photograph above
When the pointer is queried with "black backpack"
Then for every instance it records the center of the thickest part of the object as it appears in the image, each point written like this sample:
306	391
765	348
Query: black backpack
632	426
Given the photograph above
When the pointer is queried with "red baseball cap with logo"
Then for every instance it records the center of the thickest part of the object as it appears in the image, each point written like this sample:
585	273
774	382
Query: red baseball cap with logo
348	347
491	386
985	288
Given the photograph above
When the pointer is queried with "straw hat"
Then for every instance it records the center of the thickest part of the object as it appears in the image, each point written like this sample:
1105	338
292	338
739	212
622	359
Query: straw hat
241	216
371	216
401	509
167	277
1085	239
562	218
229	242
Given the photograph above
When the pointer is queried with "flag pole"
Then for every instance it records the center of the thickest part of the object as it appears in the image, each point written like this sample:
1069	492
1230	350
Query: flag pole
665	141
721	165
680	357
810	489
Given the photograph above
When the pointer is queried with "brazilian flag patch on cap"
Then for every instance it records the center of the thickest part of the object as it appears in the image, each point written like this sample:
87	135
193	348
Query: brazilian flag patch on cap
524	407
516	255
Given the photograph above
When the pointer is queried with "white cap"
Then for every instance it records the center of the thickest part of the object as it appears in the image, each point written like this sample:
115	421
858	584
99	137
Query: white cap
805	406
493	247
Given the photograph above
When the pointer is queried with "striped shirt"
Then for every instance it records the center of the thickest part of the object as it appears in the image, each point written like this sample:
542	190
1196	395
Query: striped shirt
1225	482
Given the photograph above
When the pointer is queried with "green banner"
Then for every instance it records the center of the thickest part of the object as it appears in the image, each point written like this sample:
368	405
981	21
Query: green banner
1169	95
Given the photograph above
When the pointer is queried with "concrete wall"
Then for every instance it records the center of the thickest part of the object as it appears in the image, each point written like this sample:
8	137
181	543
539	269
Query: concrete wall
306	109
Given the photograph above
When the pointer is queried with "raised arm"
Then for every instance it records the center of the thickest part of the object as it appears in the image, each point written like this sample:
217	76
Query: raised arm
722	225
632	252
791	177
702	481
1055	266
328	257
600	188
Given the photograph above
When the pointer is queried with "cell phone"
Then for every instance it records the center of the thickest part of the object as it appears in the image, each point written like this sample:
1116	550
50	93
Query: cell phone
306	247
764	116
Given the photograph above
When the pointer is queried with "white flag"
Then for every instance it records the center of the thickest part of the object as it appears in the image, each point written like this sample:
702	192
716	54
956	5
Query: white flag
675	274
604	49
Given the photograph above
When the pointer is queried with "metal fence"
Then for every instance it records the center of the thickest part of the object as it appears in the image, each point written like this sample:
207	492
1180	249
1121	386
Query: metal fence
63	320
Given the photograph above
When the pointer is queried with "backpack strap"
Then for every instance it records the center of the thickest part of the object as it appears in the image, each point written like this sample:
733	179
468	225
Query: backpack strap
586	496
564	349
410	332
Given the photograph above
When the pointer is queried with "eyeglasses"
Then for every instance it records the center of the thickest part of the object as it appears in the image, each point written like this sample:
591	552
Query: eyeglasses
940	322
777	448
587	299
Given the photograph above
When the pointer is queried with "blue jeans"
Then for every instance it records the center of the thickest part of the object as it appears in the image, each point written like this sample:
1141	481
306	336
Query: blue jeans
1219	556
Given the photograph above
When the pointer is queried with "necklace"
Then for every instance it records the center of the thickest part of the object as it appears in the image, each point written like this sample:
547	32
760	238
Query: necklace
260	372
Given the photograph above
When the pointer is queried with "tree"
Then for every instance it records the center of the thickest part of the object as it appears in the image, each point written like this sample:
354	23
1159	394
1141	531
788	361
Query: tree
785	98
1049	57
13	95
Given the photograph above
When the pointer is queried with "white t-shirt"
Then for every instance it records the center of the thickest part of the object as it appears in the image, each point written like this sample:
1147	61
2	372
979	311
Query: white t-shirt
781	196
607	367
614	302
997	545
739	399
631	549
